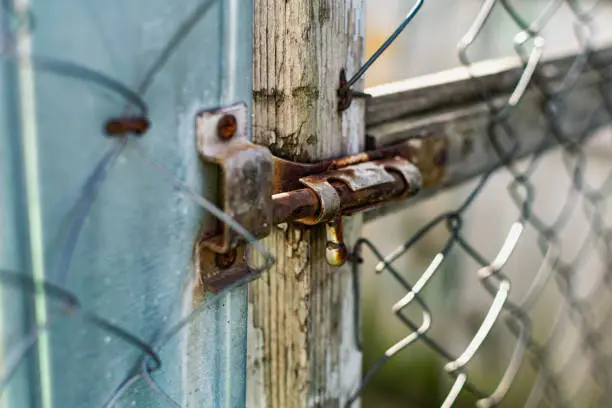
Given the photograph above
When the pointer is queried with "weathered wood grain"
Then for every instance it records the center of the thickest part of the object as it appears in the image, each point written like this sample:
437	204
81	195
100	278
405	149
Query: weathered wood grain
301	347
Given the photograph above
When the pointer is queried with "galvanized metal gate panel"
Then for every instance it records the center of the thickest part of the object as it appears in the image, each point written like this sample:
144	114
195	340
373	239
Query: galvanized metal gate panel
132	261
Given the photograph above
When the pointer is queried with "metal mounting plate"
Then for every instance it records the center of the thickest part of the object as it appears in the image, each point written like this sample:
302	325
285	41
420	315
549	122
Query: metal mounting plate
241	163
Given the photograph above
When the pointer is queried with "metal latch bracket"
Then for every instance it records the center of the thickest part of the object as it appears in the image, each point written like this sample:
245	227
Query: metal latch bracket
258	190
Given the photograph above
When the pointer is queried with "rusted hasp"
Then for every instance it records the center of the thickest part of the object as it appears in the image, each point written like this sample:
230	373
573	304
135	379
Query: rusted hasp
258	190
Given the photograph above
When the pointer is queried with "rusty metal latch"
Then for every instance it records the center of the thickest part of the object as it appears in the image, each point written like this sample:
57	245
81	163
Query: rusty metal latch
371	175
259	190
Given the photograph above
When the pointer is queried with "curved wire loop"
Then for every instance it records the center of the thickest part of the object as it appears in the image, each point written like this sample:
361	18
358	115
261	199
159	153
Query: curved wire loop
529	45
419	332
412	337
531	62
497	304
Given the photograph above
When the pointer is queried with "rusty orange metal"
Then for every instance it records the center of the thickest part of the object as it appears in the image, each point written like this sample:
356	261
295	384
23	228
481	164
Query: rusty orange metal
227	127
122	126
259	190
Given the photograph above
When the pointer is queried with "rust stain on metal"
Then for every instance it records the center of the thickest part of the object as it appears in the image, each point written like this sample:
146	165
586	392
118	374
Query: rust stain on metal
410	174
430	155
245	173
400	179
118	127
224	261
345	191
354	202
287	173
348	160
216	272
330	204
361	176
302	203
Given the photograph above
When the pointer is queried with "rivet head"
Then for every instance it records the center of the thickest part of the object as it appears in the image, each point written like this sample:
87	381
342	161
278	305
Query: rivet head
227	127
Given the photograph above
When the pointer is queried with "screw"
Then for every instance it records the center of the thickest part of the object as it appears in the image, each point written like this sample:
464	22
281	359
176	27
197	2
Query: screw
224	261
227	126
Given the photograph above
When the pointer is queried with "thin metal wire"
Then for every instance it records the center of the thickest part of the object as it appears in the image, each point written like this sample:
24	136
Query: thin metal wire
361	71
555	270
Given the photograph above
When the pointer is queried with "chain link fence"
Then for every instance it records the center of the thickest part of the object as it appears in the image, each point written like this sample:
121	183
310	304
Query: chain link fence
553	305
558	322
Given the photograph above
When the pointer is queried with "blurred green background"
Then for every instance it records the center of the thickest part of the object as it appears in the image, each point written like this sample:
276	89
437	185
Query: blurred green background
415	377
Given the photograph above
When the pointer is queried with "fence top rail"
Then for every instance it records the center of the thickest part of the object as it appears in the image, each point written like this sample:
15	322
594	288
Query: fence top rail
455	87
448	109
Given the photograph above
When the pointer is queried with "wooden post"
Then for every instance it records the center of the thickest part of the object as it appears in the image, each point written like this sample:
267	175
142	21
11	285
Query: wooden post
301	347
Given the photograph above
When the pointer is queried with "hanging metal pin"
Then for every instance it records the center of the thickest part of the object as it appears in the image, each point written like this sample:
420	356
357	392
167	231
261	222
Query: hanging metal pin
335	249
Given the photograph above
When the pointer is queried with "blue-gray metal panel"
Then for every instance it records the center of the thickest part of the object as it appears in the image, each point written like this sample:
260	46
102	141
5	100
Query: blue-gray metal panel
132	258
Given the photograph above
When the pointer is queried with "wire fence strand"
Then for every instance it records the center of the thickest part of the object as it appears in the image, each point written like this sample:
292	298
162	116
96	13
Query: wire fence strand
555	269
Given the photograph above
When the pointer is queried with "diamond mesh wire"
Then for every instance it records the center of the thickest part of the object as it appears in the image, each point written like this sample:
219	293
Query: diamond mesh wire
559	330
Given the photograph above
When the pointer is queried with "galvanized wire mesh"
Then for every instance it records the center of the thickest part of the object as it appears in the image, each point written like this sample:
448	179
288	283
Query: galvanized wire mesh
560	330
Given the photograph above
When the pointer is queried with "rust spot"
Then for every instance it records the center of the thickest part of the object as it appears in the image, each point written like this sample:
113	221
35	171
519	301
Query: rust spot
118	127
215	272
227	127
287	173
349	160
224	261
336	254
430	155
